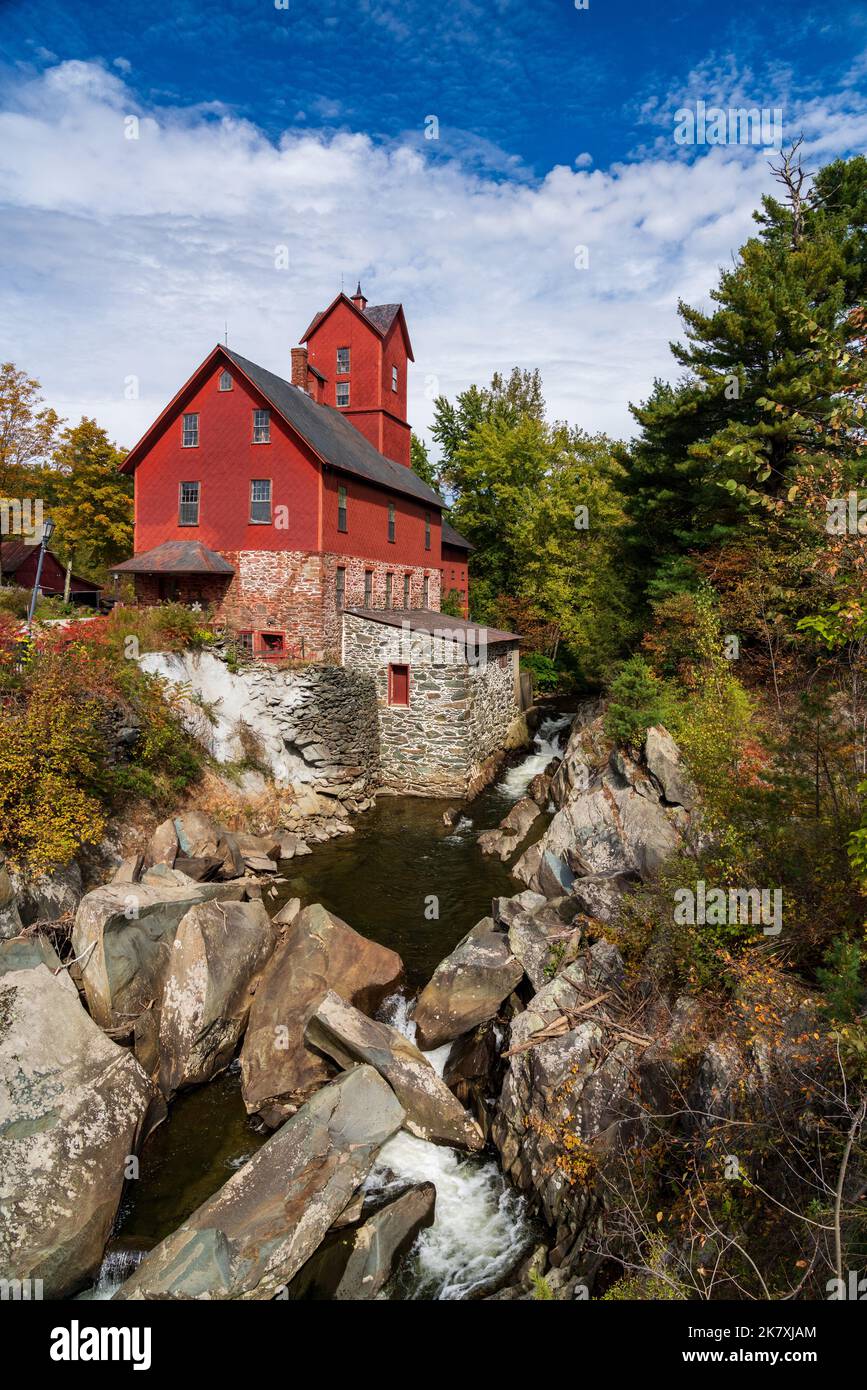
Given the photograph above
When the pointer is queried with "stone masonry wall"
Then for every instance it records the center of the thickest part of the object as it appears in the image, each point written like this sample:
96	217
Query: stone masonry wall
316	728
294	592
457	714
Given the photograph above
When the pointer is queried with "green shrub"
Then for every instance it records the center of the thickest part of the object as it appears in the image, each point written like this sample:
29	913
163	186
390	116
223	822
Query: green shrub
545	673
638	700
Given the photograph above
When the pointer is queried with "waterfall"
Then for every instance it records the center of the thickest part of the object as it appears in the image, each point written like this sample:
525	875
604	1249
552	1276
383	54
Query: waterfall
481	1228
117	1266
547	744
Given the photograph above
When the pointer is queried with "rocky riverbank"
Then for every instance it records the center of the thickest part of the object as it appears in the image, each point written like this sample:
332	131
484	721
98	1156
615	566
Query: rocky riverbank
530	1039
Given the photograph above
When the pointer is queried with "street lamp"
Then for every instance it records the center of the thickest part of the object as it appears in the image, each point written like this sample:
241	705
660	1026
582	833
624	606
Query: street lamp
47	533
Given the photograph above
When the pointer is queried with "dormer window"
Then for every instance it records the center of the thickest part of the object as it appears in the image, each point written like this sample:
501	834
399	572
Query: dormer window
190	436
261	427
342	361
225	381
343	393
394	378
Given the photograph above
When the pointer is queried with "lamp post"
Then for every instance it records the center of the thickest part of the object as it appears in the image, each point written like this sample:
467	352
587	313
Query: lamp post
47	533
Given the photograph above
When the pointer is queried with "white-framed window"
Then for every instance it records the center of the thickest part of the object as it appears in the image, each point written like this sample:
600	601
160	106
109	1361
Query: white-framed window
394	378
225	380
261	427
260	500
188	504
343	393
190	434
341	508
342	361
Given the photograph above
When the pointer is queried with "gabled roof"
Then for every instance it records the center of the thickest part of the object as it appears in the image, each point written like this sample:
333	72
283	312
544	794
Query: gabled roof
452	537
14	553
175	557
379	317
441	625
330	434
325	429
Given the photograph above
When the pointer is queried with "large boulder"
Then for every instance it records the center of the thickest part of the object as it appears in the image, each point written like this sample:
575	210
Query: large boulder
320	952
665	765
49	896
467	987
381	1242
568	1085
197	835
220	950
73	1107
513	828
123	936
26	952
251	1237
432	1112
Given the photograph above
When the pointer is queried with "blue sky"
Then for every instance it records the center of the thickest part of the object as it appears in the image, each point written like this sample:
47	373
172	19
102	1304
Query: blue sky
304	127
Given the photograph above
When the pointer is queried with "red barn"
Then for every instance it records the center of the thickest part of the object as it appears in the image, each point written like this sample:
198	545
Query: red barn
18	564
281	502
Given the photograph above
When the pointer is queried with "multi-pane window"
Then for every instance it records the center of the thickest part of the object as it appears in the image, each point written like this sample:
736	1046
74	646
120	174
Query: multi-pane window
190	436
368	588
388	582
343	393
342	361
260	499
426	592
340	586
406	579
394	378
188	505
225	381
245	642
261	427
427	530
391	521
341	508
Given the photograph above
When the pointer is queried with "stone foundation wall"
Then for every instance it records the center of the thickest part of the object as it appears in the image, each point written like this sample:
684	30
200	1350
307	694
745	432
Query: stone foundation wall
294	592
316	728
458	713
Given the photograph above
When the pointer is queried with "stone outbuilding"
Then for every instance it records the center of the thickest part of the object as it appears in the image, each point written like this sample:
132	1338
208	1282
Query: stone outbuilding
448	695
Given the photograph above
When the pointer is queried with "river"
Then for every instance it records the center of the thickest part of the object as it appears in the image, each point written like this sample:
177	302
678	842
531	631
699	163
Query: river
407	880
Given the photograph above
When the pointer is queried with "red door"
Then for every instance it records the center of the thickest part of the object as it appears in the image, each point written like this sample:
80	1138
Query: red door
398	685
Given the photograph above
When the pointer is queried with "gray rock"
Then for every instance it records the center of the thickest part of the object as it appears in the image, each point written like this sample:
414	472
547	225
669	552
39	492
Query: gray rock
665	764
73	1106
163	845
320	952
248	1240
26	952
49	896
123	936
432	1112
219	952
467	987
600	895
129	870
287	914
197	835
379	1245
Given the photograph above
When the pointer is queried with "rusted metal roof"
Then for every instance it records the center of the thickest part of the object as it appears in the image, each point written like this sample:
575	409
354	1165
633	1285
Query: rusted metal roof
436	624
176	557
14	553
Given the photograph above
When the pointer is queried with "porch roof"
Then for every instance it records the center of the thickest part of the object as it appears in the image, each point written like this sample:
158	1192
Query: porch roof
175	557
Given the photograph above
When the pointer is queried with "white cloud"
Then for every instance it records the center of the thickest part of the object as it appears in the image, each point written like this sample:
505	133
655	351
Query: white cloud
128	255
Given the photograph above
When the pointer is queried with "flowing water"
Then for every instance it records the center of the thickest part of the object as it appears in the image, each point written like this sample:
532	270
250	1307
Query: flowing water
409	881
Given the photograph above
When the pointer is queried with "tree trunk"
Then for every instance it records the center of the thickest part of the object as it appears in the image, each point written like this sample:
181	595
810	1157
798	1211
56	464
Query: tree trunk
67	583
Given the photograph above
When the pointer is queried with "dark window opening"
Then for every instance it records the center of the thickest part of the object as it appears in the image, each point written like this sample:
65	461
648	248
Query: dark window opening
340	586
406	583
341	509
427	530
368	588
392	524
388	583
272	641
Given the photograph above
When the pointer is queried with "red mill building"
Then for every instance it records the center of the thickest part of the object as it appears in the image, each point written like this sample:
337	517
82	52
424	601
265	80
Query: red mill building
283	503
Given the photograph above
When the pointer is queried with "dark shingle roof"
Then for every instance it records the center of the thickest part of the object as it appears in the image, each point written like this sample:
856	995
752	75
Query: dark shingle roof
333	437
382	316
452	537
176	557
437	624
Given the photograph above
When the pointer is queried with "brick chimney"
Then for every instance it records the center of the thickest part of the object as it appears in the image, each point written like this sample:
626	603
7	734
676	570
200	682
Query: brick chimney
359	299
299	367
